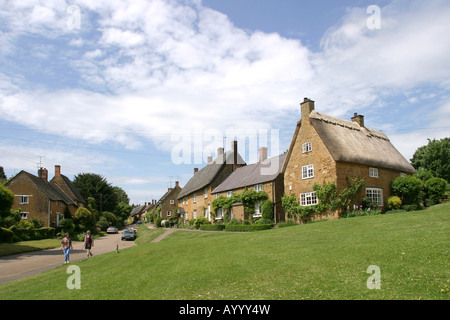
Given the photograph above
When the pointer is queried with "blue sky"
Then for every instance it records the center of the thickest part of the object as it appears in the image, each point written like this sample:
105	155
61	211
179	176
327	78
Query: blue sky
118	88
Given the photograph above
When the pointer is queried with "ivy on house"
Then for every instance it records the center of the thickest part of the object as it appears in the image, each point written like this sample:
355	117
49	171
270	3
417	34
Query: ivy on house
248	198
328	199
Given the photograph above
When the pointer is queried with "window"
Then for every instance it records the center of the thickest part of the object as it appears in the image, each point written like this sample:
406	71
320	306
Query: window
169	213
258	187
172	201
195	214
258	212
308	199
206	193
23	199
373	172
24	215
219	214
186	201
375	195
195	197
308	171
229	194
307	147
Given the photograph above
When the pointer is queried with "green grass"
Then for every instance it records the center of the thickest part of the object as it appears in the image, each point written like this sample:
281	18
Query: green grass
27	246
326	260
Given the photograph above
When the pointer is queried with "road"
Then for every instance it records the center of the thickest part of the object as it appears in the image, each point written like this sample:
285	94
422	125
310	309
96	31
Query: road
23	265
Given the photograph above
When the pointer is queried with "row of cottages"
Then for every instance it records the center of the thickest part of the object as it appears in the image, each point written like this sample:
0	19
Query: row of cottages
323	149
195	199
47	201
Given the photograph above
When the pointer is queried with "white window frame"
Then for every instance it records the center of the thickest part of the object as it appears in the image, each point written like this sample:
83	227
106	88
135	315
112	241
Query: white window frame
172	201
307	147
206	193
169	213
308	171
229	194
373	172
258	210
23	199
24	215
258	187
195	214
375	195
195	197
219	214
308	199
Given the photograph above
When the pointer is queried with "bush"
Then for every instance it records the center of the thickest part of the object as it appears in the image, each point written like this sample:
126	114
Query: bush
158	222
102	224
435	189
394	203
199	221
67	225
6	235
412	207
408	189
267	211
248	227
32	233
212	227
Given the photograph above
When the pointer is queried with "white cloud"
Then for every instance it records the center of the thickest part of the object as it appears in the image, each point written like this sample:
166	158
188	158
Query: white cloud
158	68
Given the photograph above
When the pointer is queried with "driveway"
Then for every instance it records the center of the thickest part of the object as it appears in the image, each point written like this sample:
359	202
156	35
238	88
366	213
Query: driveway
22	265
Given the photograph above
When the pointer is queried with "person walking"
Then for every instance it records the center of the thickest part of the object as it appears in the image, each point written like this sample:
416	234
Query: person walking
66	245
88	243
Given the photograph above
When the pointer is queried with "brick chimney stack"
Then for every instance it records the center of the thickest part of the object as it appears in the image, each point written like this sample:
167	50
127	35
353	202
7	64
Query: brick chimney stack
306	107
57	170
195	170
43	174
359	119
262	154
235	154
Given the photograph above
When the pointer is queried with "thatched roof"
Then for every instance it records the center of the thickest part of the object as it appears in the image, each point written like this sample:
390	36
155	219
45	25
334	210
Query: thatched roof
207	174
252	174
349	142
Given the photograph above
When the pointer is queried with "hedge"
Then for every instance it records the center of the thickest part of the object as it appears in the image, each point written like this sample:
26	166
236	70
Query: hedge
248	227
6	235
212	227
32	234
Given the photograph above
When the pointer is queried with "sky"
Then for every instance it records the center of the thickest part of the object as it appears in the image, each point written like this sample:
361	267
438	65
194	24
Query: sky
143	91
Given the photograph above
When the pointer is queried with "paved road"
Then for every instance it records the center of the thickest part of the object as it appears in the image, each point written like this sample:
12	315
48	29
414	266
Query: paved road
22	265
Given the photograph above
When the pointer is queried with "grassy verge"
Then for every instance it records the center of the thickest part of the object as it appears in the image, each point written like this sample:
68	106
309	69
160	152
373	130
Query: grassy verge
27	246
327	260
146	235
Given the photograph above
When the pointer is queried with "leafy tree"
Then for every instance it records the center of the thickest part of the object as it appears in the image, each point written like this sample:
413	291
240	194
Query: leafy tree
95	186
267	210
408	189
85	219
435	188
6	201
434	157
122	196
3	178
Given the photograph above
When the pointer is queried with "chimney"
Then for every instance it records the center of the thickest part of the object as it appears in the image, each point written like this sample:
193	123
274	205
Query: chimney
177	184
235	154
306	107
195	170
219	152
262	154
57	170
209	160
43	174
359	119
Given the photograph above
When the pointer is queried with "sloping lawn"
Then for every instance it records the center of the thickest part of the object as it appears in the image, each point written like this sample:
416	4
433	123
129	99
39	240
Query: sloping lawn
325	260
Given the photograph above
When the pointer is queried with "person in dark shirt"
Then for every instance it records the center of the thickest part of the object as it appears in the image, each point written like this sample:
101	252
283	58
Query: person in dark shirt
88	244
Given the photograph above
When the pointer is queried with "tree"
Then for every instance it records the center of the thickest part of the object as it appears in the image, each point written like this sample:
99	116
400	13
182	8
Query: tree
6	201
95	186
408	189
85	220
434	157
121	195
3	177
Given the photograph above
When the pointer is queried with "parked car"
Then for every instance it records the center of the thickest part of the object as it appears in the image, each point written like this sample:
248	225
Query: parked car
139	222
112	230
129	235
